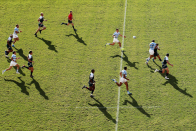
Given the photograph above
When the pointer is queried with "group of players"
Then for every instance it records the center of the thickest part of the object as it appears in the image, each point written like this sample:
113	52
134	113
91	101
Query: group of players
11	44
153	53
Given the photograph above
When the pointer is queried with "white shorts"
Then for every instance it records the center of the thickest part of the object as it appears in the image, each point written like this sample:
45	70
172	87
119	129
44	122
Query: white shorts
123	80
151	52
13	63
115	40
15	36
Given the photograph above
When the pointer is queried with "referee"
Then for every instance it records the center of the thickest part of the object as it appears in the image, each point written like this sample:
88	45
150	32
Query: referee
70	18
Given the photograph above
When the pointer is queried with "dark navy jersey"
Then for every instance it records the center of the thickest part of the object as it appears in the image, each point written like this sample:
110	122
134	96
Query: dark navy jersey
10	41
30	57
165	60
41	19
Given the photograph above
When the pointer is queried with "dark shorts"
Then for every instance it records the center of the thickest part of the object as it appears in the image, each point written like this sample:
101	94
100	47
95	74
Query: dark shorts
156	54
9	48
40	25
30	64
69	21
90	84
164	66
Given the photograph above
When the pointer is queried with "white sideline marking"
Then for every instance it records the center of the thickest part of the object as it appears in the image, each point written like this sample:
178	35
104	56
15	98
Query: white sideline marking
121	107
118	101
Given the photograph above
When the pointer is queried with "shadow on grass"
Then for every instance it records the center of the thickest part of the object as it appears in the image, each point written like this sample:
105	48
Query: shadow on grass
20	52
37	86
77	37
21	85
103	110
21	72
49	43
135	104
172	80
125	58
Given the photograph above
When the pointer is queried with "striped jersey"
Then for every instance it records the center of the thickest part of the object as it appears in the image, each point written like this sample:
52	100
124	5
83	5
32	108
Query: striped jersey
116	34
14	57
15	29
124	72
152	45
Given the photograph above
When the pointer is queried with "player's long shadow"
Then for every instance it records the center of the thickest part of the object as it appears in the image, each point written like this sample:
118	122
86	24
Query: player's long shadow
21	72
21	85
49	43
135	104
173	81
103	110
77	37
125	58
37	86
20	52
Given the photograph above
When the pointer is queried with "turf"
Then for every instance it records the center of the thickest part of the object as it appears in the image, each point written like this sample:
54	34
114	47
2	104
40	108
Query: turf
54	100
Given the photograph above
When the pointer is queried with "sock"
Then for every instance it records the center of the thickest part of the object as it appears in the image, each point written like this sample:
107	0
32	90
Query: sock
65	23
73	27
17	70
167	74
4	70
160	59
148	59
92	91
160	71
31	73
26	67
6	53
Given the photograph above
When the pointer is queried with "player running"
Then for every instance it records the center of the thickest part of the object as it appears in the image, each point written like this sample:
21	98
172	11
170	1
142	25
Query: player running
15	36
40	25
123	79
164	66
13	63
115	40
9	47
70	18
30	61
151	50
91	83
156	54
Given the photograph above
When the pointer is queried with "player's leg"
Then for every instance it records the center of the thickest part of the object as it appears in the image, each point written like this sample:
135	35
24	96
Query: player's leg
118	84
73	27
129	93
37	30
7	69
167	73
43	28
17	68
31	68
159	57
92	90
151	52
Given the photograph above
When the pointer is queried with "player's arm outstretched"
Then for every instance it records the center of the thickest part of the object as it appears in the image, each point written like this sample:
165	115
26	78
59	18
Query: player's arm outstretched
122	36
169	63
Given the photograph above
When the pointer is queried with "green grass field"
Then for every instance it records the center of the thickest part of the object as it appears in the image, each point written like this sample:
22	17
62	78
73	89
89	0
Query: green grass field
54	100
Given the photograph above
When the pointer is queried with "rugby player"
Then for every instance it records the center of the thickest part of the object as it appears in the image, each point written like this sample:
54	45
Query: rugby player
151	50
15	34
91	83
164	66
9	47
115	40
40	25
123	79
30	65
70	18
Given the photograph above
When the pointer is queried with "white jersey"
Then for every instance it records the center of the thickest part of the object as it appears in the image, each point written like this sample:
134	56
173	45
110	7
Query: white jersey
124	72
14	57
15	29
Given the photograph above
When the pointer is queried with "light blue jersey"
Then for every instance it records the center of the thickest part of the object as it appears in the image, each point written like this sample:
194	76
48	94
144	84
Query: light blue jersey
116	34
124	72
14	57
16	29
152	45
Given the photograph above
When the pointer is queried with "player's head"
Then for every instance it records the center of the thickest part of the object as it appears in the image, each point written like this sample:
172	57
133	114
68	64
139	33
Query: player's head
30	52
17	25
14	52
92	70
70	12
41	13
117	30
125	68
11	35
167	54
153	40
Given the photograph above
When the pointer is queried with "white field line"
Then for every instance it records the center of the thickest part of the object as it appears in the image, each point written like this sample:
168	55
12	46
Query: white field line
119	107
118	101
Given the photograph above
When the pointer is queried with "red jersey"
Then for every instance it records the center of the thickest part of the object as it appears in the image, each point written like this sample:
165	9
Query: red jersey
70	17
